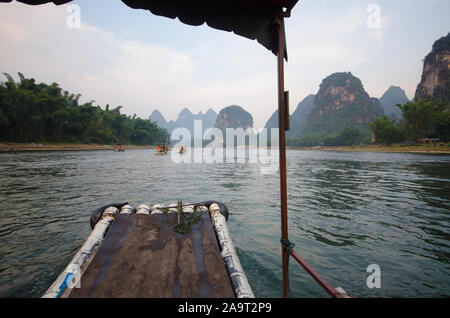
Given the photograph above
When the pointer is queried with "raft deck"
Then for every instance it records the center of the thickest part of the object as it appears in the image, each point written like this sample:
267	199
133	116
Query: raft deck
142	256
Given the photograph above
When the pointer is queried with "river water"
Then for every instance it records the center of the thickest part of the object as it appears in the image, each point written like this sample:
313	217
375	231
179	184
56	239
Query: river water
346	211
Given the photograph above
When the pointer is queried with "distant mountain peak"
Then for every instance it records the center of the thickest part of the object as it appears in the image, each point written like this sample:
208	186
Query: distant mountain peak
156	113
393	96
342	102
394	89
341	79
234	116
185	111
157	117
185	120
210	111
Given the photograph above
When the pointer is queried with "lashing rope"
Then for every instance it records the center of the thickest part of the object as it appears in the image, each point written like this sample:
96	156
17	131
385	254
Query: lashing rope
289	246
188	221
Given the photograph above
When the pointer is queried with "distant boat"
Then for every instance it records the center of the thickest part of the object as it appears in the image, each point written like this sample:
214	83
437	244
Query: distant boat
118	148
162	149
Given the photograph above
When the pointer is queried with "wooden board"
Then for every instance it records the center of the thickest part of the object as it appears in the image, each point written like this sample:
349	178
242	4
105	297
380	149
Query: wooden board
142	256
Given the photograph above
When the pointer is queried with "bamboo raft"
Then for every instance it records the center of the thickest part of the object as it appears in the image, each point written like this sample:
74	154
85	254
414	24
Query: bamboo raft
179	251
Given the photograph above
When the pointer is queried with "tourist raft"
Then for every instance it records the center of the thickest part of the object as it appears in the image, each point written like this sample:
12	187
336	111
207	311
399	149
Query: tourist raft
178	250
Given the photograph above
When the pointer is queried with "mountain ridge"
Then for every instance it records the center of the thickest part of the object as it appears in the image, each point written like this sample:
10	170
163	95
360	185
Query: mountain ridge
185	119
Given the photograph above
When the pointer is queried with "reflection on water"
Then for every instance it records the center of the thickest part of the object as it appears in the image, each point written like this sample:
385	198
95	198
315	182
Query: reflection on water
346	211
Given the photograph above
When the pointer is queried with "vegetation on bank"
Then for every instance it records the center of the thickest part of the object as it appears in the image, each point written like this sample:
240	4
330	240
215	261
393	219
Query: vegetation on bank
421	119
31	112
348	136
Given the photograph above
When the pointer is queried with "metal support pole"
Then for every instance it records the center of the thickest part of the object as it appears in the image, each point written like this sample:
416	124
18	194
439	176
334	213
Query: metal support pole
279	24
319	279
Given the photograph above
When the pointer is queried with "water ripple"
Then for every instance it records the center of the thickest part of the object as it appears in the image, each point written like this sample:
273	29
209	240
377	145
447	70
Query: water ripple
346	211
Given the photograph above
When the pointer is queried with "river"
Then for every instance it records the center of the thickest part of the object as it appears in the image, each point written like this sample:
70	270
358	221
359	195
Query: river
346	211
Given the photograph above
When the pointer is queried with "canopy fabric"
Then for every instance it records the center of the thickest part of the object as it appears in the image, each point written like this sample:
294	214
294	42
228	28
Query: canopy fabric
252	19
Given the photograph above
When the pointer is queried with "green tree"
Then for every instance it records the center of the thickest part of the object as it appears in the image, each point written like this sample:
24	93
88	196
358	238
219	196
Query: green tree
418	116
386	130
440	125
346	137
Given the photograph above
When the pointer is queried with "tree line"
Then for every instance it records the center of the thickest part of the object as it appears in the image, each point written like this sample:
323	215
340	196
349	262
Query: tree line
348	136
425	118
31	112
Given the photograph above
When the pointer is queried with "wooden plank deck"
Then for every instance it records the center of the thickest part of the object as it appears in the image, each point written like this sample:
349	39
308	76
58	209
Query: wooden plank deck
141	256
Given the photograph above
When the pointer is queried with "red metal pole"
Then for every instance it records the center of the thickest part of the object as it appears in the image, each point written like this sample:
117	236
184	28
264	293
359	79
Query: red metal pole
282	149
319	279
283	116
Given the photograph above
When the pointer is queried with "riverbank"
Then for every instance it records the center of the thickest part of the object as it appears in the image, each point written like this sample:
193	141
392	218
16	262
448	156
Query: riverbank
432	149
12	147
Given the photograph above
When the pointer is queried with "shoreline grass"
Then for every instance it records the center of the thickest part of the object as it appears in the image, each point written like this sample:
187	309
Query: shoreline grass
440	148
14	147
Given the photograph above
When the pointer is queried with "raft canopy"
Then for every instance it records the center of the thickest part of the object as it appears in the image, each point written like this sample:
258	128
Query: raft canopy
252	19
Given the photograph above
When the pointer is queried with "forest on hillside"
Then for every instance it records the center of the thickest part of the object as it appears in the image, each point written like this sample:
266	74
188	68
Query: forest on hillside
32	112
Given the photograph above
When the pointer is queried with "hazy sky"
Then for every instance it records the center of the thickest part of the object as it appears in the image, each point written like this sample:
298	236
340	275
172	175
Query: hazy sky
132	58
